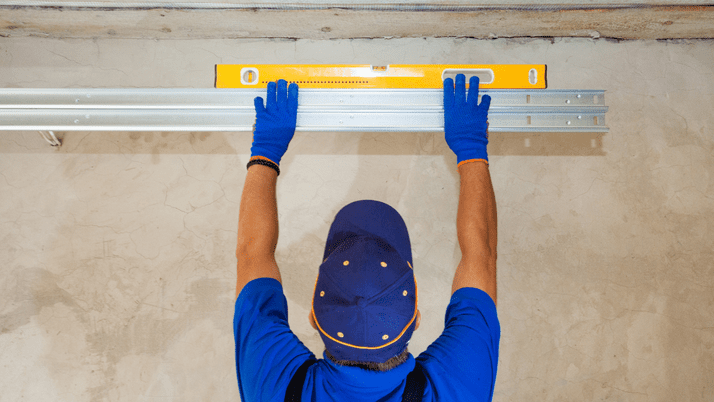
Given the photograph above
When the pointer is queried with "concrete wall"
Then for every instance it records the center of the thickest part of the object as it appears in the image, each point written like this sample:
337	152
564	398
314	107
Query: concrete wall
118	273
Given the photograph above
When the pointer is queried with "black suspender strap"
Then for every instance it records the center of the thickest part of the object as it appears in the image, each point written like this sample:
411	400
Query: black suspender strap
413	391
294	392
416	383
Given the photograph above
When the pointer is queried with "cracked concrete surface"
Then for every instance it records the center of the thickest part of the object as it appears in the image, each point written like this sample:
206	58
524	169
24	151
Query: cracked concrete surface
495	20
118	248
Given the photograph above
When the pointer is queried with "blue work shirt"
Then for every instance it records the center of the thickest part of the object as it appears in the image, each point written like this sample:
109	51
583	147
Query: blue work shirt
459	366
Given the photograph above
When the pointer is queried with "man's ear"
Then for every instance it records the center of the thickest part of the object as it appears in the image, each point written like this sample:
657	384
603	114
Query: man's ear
312	320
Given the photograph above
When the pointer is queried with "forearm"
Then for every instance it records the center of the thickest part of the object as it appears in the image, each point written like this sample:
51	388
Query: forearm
476	224
258	219
476	216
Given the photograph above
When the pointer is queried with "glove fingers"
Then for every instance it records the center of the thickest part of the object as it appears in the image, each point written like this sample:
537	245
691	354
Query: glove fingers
293	99
272	98
460	96
258	102
448	94
485	102
473	91
282	95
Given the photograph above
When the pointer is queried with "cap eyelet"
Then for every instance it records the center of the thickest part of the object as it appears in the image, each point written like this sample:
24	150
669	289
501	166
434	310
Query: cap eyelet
385	337
346	263
340	334
404	293
323	293
384	264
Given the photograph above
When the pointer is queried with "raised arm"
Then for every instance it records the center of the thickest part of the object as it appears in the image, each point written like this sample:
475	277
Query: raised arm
476	230
465	131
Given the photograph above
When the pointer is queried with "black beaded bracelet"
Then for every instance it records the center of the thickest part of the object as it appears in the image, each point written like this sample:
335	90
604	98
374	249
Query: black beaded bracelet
264	162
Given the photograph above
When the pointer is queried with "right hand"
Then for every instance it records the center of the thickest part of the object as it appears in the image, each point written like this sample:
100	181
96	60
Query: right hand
465	121
274	126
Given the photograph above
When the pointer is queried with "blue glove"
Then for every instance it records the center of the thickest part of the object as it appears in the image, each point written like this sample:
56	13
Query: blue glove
465	121
275	124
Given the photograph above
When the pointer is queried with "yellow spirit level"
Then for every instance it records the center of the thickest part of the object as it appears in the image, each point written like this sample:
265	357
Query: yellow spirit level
405	76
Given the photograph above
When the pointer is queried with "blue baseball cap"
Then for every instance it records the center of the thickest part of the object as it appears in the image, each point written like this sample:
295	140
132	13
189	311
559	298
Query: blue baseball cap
365	297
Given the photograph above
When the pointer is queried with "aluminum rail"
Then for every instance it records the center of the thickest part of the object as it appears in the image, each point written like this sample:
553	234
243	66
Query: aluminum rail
180	109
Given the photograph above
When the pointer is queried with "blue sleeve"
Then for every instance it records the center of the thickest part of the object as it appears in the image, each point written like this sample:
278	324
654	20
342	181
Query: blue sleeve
267	351
461	364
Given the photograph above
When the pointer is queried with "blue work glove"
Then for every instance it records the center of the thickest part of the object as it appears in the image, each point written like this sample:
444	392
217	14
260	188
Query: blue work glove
275	123
465	121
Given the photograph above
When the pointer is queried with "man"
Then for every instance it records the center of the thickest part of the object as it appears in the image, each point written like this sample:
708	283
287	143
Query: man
365	296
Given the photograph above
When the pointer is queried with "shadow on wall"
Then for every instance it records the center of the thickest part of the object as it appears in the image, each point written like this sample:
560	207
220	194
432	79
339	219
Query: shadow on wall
308	143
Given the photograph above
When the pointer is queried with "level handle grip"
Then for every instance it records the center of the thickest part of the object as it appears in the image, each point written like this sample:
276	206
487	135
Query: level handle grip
485	75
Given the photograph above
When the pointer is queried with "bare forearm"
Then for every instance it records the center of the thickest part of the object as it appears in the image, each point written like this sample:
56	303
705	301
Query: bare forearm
258	219
476	216
476	225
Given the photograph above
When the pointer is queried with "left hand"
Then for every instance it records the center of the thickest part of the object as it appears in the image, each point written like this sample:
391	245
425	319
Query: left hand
275	123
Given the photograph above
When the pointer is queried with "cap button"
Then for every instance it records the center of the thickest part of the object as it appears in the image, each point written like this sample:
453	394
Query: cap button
361	301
